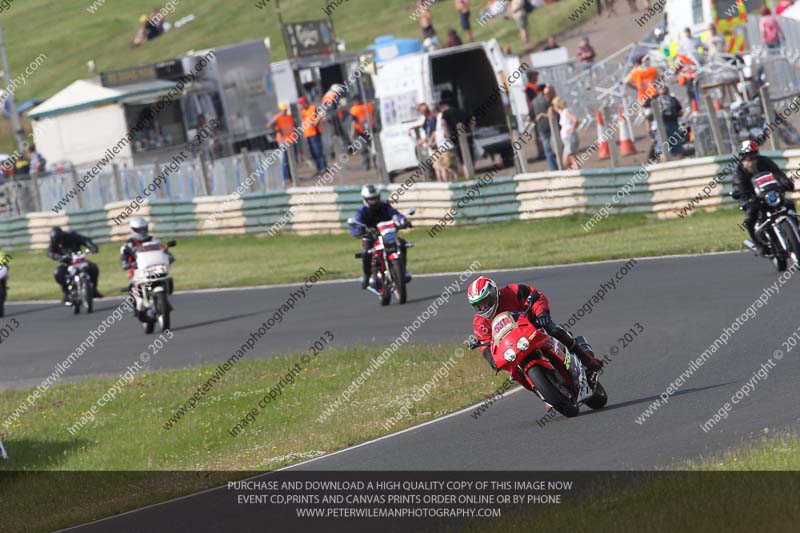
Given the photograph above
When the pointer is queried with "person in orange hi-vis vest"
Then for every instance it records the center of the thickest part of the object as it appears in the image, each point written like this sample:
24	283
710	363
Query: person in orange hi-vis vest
687	74
643	79
362	125
283	126
334	112
312	131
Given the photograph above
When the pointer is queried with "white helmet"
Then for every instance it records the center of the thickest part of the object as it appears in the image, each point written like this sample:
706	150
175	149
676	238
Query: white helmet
138	227
370	192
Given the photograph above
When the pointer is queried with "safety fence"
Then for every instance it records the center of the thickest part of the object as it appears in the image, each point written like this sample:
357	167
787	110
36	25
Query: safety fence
666	189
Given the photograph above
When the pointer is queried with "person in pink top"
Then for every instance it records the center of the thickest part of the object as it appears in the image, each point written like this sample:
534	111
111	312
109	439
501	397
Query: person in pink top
771	33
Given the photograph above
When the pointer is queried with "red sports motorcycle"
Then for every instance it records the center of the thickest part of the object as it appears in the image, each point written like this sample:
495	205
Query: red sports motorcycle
542	364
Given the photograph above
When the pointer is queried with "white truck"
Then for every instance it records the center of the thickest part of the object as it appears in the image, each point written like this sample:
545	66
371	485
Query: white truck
477	75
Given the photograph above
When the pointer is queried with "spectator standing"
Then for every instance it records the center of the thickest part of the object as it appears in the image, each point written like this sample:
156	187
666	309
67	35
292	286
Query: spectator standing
519	13
432	43
453	116
38	162
541	111
532	87
688	45
462	7
452	39
335	114
716	43
569	133
610	10
362	126
445	164
643	79
283	126
551	43
671	112
771	32
585	54
426	20
312	131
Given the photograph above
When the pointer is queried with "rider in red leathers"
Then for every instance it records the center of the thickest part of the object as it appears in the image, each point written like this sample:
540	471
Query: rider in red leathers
488	300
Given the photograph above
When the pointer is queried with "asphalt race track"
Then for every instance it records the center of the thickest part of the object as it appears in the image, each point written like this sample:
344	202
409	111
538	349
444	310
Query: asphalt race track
683	303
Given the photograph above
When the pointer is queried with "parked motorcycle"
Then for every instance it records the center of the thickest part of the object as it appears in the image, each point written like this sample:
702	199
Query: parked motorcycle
542	364
777	225
3	288
388	273
80	289
152	283
749	122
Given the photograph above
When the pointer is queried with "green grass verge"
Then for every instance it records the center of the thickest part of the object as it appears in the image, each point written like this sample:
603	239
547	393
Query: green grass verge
741	489
70	36
128	433
201	261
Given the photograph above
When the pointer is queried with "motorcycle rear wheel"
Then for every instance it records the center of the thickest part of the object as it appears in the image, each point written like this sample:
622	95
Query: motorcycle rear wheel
543	381
599	399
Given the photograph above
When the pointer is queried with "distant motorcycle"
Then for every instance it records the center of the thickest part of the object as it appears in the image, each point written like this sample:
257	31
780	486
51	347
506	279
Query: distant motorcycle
388	273
542	364
80	289
152	283
3	288
777	225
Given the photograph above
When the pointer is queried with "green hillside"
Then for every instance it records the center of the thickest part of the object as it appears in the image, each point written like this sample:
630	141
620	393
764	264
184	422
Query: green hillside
70	36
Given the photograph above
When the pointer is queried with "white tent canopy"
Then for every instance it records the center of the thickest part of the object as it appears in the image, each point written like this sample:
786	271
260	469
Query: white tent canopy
87	93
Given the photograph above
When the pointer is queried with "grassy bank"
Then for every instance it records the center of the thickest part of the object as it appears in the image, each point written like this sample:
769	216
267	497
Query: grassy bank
204	262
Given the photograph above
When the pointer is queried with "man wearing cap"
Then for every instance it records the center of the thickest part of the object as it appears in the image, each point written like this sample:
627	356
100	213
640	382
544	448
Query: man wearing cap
283	126
312	131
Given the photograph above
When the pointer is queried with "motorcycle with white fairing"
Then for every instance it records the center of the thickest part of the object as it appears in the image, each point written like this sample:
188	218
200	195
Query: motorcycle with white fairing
152	284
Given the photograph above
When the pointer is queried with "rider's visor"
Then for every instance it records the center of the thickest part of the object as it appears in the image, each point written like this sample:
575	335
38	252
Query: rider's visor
374	201
484	305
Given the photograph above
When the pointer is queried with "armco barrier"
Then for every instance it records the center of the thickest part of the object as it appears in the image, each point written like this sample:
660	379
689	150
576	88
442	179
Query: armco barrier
666	189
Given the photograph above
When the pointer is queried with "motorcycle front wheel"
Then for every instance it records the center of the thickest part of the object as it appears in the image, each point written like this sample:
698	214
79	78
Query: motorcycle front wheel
399	275
162	310
554	390
2	297
87	296
788	230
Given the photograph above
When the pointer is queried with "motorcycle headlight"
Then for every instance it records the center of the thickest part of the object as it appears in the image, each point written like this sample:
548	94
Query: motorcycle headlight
523	344
773	199
510	355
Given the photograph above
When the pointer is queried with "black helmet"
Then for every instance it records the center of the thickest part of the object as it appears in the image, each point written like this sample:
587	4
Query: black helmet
371	196
56	233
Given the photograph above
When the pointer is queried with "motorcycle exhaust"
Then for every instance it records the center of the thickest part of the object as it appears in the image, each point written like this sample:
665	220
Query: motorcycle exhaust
750	245
374	291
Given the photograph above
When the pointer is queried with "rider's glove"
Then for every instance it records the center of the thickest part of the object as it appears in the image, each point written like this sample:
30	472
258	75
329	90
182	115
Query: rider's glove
736	195
542	320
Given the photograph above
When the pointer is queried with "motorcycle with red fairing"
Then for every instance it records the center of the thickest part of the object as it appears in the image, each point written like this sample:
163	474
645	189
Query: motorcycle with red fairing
542	364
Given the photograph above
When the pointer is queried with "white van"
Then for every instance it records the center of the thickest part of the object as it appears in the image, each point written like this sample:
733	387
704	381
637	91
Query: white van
474	73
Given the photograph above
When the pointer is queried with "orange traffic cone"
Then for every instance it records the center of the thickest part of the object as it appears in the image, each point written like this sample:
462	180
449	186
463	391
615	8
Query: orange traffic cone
626	146
603	150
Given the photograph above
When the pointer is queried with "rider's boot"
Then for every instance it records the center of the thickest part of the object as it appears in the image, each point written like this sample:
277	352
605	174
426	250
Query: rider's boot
586	355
